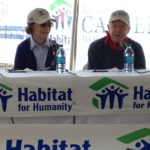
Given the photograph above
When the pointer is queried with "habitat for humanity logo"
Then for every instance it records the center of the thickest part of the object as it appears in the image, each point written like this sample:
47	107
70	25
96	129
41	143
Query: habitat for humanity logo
4	96
108	90
137	138
62	15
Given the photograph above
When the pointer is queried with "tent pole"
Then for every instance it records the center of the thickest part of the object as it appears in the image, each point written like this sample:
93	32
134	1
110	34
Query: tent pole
74	36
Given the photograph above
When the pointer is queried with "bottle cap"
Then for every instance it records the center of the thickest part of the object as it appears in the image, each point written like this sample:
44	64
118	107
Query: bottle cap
129	44
60	45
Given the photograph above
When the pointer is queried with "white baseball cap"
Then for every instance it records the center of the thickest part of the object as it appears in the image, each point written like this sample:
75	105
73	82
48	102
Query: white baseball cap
39	16
120	15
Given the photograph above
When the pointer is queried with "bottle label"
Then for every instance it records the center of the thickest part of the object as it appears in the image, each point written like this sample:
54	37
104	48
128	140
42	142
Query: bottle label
60	60
128	59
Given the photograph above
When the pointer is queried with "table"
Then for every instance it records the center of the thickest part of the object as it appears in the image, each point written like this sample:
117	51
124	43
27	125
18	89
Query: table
133	89
76	97
12	82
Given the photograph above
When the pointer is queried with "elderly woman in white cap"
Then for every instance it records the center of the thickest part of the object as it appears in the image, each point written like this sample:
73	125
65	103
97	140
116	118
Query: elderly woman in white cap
36	52
107	52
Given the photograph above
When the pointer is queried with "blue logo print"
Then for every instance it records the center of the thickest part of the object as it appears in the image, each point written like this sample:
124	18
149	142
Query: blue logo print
108	90
141	144
4	96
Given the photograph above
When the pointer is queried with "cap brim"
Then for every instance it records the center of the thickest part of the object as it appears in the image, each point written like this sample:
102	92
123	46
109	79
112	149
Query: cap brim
53	20
123	20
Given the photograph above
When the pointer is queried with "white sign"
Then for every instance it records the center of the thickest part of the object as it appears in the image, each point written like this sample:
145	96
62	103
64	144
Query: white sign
75	137
68	95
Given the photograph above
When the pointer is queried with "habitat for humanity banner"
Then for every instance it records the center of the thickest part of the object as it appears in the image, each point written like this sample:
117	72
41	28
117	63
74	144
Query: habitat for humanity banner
119	94
36	96
75	137
69	95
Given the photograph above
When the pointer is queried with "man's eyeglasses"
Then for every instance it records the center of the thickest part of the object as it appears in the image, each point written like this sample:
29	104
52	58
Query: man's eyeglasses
49	24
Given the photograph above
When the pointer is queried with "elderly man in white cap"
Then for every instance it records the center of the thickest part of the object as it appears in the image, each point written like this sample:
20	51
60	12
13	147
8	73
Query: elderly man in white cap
36	52
107	52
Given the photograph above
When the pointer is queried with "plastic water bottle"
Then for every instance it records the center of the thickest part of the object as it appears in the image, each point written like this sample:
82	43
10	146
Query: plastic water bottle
60	60
129	59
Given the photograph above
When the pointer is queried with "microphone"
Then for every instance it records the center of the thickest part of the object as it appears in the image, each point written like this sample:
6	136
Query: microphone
123	44
53	44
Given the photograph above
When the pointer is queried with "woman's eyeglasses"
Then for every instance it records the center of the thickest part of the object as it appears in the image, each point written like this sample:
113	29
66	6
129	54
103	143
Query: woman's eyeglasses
49	24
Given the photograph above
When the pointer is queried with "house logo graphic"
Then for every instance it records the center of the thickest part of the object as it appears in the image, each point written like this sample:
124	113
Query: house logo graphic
62	13
4	96
137	138
58	3
108	90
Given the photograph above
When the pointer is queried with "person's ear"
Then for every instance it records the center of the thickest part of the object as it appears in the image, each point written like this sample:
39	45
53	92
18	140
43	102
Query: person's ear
108	26
128	29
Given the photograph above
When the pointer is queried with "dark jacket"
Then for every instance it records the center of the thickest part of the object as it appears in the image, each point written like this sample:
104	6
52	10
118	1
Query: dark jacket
101	56
25	57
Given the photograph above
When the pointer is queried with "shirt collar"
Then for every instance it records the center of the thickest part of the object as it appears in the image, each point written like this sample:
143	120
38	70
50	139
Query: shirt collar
33	43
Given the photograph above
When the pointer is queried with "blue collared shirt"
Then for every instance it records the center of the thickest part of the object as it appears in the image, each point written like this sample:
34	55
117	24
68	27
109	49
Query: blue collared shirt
40	52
